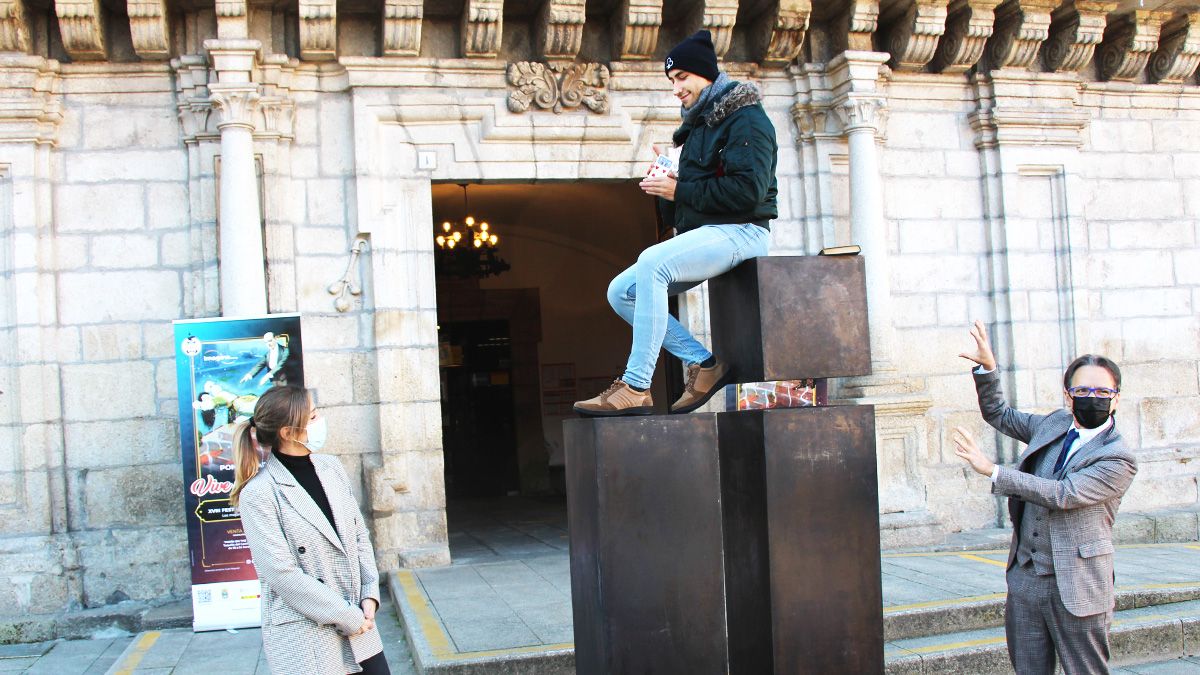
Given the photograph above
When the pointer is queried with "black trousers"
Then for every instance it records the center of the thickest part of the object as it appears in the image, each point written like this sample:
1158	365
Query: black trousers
376	665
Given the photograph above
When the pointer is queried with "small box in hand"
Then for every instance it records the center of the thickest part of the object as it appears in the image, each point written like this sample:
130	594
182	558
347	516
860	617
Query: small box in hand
662	166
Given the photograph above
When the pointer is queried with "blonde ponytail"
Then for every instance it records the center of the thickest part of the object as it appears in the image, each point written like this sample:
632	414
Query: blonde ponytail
246	459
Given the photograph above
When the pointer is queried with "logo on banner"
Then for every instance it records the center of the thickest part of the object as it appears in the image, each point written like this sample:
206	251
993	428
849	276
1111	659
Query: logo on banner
190	346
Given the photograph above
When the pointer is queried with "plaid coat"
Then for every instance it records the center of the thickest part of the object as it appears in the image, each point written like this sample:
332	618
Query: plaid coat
313	578
1082	502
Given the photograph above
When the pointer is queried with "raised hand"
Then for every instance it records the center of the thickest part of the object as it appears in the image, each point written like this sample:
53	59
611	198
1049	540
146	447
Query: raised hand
966	448
983	348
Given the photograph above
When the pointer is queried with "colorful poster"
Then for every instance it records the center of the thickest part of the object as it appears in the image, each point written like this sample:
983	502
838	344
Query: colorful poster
223	366
781	394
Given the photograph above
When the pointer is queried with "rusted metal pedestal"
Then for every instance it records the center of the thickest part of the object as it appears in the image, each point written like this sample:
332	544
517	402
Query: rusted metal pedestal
742	542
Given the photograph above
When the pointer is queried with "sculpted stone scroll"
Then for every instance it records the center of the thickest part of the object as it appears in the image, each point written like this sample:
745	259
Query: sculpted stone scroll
780	32
1178	50
482	23
81	24
149	30
558	32
1075	30
913	37
1128	43
968	27
635	28
1021	27
402	27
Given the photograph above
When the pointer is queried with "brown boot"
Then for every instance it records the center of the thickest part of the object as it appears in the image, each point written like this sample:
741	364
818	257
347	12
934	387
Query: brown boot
702	383
618	399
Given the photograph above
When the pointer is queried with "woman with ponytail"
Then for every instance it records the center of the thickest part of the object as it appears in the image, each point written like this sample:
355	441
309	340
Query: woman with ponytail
320	587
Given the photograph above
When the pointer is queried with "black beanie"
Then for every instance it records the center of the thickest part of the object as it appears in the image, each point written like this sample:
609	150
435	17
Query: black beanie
694	55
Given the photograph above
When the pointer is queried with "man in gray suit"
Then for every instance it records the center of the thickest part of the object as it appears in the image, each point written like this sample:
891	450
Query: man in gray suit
1063	496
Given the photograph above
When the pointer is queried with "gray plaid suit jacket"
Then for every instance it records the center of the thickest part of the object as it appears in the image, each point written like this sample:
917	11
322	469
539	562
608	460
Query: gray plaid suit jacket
313	579
1082	502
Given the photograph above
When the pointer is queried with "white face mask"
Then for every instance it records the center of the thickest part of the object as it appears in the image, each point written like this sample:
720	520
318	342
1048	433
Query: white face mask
316	435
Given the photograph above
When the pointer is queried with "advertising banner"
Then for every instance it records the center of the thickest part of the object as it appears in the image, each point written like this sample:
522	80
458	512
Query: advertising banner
223	366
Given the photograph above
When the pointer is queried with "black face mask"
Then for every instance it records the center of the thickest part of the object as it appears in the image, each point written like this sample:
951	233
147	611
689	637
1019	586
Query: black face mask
1091	411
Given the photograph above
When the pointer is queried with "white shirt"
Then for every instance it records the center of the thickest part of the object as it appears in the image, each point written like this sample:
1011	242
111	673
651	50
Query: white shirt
1085	435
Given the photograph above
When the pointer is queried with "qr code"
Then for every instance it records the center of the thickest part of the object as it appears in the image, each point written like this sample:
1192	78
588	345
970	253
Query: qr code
203	596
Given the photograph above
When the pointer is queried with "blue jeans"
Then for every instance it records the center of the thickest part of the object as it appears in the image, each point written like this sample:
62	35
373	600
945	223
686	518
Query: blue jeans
670	268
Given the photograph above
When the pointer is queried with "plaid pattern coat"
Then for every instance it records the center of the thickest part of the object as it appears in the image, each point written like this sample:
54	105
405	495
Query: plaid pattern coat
313	578
1082	499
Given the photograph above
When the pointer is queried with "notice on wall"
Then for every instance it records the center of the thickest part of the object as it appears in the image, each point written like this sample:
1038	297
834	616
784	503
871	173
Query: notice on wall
223	366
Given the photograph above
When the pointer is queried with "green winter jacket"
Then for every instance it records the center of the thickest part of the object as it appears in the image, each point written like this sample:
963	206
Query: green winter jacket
727	168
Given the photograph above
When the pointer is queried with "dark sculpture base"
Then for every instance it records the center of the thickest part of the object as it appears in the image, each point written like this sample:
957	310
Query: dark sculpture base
792	317
743	542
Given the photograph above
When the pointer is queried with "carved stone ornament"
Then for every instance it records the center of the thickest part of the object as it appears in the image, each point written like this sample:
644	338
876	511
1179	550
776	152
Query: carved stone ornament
402	27
236	105
856	25
780	33
862	112
148	27
1178	50
558	85
813	122
14	32
558	32
635	27
913	38
318	30
1075	30
719	17
1128	44
483	21
968	27
82	27
1021	28
232	19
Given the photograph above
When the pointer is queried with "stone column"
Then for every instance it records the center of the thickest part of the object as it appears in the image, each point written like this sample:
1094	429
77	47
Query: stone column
235	97
861	108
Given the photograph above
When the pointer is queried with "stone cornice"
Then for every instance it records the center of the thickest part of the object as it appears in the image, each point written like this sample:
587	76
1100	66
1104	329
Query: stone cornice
29	86
635	29
558	30
1021	27
913	38
402	27
1178	50
1075	30
482	27
779	34
81	24
968	26
14	32
149	29
318	30
1028	109
1129	41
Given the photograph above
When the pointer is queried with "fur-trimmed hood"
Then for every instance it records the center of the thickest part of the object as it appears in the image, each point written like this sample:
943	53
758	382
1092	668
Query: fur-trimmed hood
741	95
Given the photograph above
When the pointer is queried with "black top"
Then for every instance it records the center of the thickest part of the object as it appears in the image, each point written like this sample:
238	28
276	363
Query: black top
306	474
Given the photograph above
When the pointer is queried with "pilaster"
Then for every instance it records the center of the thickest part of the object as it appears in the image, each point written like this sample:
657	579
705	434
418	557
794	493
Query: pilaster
1129	41
1178	50
1075	30
635	29
968	26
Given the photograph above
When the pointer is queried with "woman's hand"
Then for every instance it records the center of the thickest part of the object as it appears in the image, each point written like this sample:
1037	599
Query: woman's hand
968	450
983	348
369	607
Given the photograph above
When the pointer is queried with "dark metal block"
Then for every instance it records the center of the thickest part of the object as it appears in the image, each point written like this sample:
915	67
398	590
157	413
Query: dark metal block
792	317
653	508
822	505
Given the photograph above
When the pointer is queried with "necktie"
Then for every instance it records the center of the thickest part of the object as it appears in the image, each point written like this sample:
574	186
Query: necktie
1066	447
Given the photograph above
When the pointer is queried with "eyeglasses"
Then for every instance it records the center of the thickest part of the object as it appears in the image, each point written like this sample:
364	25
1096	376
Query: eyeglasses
1098	392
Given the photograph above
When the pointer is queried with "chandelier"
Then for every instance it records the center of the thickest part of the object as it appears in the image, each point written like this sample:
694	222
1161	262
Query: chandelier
468	248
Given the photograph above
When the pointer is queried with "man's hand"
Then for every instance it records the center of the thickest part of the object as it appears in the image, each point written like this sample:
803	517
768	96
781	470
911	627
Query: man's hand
983	348
967	449
659	186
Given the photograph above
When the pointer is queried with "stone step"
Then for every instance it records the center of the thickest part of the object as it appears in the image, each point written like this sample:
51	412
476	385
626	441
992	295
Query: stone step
1139	635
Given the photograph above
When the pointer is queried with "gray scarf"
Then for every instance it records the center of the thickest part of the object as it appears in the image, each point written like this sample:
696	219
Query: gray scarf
691	115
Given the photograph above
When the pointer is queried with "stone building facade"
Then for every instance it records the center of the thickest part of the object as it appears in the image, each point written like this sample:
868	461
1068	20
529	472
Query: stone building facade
1033	163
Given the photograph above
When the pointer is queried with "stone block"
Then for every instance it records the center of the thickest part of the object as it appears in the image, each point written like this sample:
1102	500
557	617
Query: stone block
1174	135
410	426
1145	302
328	376
326	202
927	236
783	318
1114	135
97	208
124	251
1129	269
409	374
111	342
119	127
1169	422
145	563
952	310
110	391
1169	379
126	165
41	394
1128	199
121	443
1133	528
167	206
1176	526
935	274
1162	338
322	240
100	297
337	136
353	429
911	311
158	340
134	496
336	331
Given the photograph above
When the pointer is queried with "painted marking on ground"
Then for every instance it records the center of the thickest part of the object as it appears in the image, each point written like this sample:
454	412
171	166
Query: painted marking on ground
978	558
134	657
435	635
929	649
947	602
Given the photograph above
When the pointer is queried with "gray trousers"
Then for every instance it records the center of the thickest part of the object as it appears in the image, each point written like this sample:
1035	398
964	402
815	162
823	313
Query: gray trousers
1037	625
